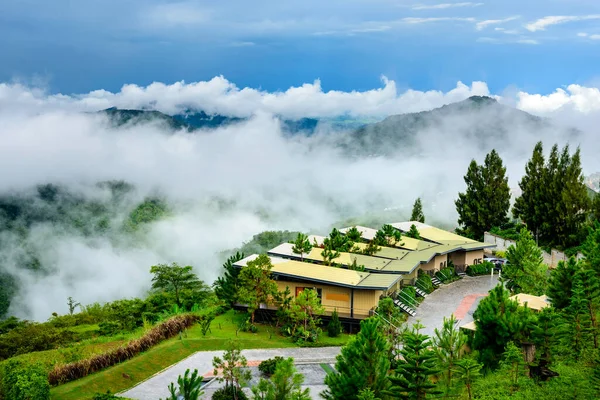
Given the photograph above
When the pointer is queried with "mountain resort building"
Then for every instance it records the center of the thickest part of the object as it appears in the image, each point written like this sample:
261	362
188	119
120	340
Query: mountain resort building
354	281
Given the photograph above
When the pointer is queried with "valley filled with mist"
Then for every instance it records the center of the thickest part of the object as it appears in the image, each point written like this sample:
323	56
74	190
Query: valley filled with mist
90	199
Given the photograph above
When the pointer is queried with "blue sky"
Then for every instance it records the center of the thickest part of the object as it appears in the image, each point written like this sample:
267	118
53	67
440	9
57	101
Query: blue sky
78	46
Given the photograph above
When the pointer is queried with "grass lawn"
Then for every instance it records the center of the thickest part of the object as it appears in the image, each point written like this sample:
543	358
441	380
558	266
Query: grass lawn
173	350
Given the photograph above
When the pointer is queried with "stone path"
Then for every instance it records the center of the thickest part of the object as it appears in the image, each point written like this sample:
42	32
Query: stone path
459	298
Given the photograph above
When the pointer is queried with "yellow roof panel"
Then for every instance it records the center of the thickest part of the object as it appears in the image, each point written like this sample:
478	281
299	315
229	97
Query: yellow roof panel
530	301
334	276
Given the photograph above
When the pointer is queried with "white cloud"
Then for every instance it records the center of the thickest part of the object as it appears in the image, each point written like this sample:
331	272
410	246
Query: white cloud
528	41
578	98
543	23
582	34
223	97
586	35
445	6
507	31
595	37
415	20
484	24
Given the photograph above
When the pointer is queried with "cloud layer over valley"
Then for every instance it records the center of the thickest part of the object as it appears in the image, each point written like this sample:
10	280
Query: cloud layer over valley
225	185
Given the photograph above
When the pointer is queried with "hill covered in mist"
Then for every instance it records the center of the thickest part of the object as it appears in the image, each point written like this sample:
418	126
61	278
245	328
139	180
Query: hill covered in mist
480	120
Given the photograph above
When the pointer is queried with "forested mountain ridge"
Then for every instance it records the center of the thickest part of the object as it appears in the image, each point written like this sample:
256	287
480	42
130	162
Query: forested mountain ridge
480	120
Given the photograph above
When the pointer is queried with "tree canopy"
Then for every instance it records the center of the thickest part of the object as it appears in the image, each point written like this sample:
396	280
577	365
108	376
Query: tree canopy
255	284
417	212
525	271
554	200
486	201
174	278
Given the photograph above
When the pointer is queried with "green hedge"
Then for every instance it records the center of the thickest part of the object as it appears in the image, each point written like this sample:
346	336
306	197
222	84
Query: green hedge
408	295
480	269
424	283
446	275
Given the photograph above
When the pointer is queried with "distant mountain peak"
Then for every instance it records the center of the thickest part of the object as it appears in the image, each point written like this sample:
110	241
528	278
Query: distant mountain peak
482	100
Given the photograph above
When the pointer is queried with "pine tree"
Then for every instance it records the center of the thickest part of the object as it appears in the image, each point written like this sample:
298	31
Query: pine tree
595	208
354	235
529	206
467	370
591	249
512	359
554	203
560	283
413	232
302	245
486	201
449	343
499	320
334	328
525	271
544	334
285	384
591	294
226	286
575	328
417	212
232	369
362	364
413	376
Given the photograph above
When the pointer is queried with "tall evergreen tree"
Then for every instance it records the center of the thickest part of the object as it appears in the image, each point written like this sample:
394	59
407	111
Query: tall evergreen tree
525	271
413	376
529	206
591	294
554	203
544	334
417	212
595	210
449	343
362	364
226	286
560	283
499	320
486	201
575	329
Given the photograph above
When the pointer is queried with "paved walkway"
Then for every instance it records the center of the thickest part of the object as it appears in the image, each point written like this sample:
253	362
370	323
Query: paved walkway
459	298
308	362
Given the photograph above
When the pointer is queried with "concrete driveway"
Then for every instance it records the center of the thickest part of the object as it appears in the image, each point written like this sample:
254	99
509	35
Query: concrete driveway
459	298
308	361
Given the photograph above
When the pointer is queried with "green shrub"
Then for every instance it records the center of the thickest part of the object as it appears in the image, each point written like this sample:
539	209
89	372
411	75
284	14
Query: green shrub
408	296
32	337
24	382
269	366
105	396
108	328
424	283
446	275
334	328
229	393
247	326
480	269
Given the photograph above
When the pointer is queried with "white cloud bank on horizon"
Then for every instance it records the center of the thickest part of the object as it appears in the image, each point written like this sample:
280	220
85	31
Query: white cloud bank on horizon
220	96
